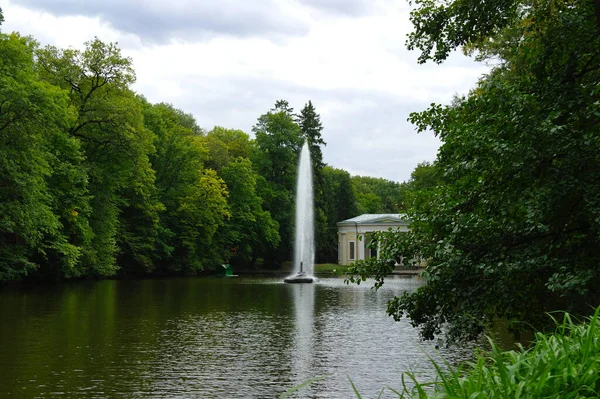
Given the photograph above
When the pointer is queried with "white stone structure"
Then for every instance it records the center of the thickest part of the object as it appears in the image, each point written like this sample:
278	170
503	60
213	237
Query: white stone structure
351	248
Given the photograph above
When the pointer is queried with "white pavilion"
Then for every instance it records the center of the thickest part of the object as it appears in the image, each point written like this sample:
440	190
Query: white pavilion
354	235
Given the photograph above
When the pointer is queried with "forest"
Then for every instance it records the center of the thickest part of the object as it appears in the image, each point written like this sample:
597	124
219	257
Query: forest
96	181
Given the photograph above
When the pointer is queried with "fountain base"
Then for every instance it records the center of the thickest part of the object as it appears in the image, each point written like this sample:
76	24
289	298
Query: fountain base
300	278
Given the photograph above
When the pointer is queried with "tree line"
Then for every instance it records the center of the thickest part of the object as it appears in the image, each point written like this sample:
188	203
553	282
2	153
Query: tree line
96	181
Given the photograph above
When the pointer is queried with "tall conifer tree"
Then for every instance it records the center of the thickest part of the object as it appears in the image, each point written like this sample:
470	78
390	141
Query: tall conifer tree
310	123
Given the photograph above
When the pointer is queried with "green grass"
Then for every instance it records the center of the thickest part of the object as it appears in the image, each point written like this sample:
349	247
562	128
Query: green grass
329	268
562	365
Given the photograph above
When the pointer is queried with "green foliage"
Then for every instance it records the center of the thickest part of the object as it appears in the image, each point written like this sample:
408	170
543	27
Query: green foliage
138	235
564	364
201	210
250	232
511	229
194	198
441	27
425	176
225	145
32	114
109	126
68	187
376	195
97	181
278	143
340	204
310	123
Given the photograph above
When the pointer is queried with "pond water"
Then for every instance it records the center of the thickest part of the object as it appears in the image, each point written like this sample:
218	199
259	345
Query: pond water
242	337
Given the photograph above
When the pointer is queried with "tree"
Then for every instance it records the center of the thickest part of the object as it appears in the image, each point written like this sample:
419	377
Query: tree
43	193
512	230
202	209
194	198
442	27
283	106
340	204
310	124
225	145
250	232
1	16
377	195
109	126
278	142
425	175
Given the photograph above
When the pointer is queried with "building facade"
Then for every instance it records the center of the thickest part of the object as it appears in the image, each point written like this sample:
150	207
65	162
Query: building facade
354	235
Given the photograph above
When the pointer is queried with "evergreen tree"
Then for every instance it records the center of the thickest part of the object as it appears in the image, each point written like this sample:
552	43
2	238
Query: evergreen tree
310	124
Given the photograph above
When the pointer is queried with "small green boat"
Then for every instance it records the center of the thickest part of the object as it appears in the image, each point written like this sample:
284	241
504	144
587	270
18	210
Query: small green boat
225	270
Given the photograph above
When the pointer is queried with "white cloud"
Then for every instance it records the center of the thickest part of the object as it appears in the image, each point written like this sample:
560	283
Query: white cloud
351	62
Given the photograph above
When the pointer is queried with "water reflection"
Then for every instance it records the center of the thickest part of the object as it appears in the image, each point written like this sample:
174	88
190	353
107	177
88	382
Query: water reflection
234	338
303	347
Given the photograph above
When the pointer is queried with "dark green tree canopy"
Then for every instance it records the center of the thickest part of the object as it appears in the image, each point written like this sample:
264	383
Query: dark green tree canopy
97	182
278	143
282	106
310	123
377	195
510	226
441	27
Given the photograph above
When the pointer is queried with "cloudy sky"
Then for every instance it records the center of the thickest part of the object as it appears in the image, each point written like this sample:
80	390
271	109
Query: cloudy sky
228	61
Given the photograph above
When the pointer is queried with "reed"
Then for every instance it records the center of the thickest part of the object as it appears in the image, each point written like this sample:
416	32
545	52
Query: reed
564	364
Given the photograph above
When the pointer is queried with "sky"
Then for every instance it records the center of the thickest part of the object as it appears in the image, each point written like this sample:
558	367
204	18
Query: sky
228	61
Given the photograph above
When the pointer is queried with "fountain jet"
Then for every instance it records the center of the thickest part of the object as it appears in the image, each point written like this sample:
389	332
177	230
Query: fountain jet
304	249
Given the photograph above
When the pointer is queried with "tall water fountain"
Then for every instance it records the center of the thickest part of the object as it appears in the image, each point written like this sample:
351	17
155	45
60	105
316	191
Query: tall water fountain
304	249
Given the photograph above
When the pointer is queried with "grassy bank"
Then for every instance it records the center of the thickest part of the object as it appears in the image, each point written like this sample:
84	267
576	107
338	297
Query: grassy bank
565	364
330	268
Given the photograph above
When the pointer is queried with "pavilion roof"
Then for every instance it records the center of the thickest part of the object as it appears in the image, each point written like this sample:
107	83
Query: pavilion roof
376	218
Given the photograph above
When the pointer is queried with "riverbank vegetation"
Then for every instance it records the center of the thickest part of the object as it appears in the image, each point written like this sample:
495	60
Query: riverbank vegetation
563	364
508	217
96	181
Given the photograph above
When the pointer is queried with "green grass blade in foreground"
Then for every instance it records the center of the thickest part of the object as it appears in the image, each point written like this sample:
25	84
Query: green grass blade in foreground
298	387
565	364
354	388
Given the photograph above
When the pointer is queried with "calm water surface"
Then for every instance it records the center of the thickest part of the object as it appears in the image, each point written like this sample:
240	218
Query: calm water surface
205	337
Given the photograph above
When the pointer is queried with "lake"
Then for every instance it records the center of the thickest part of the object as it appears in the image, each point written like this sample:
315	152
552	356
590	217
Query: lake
241	337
